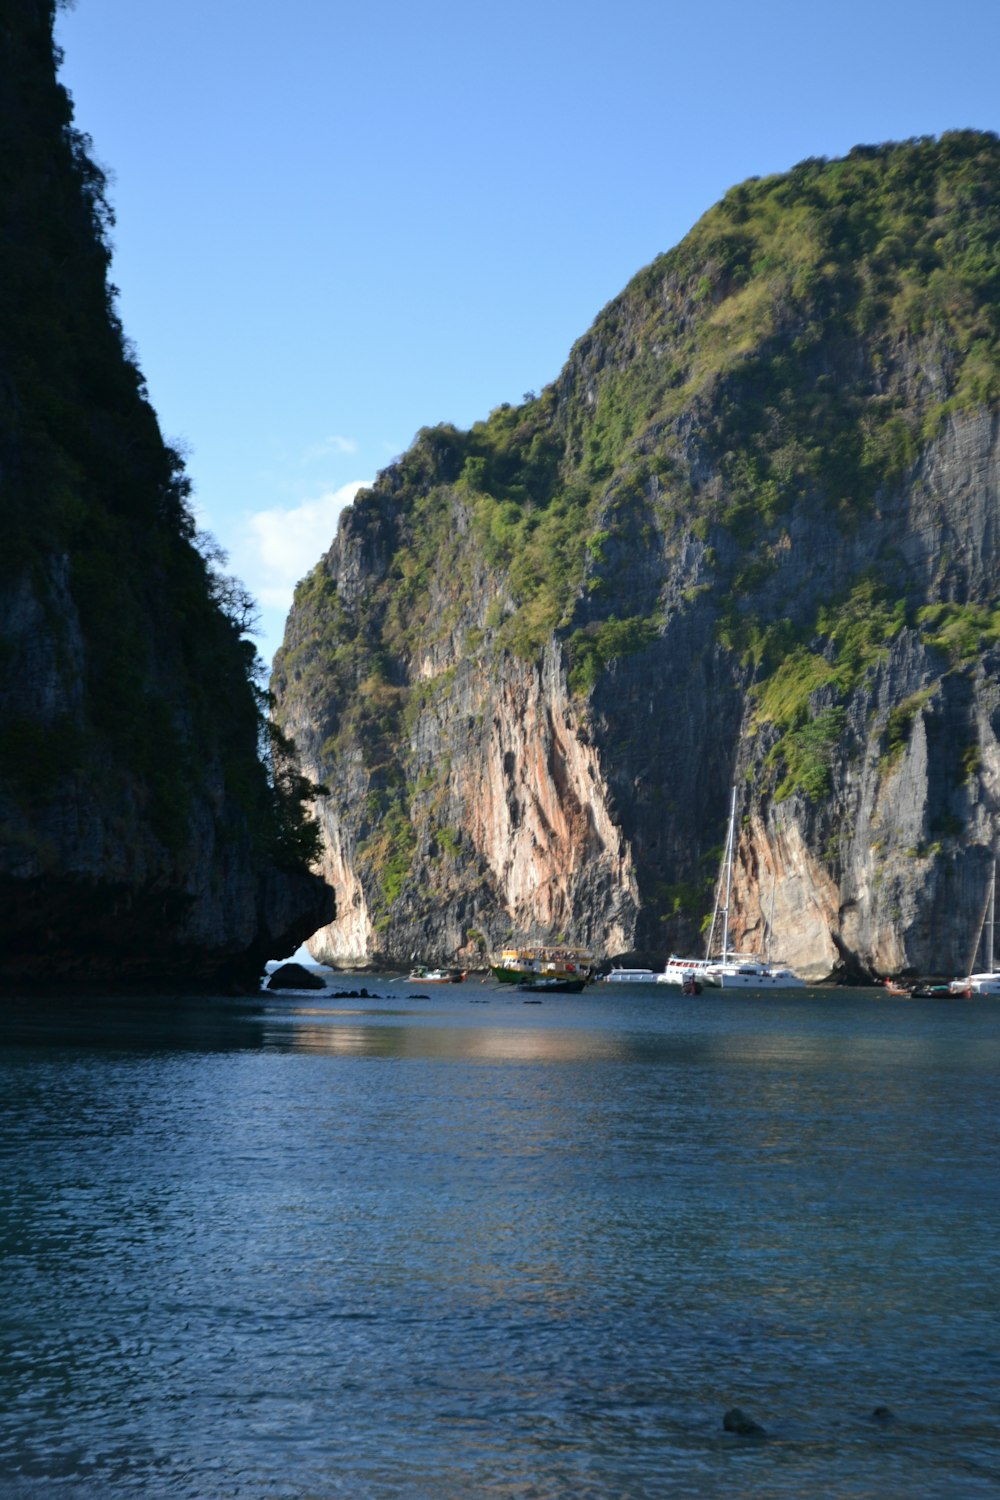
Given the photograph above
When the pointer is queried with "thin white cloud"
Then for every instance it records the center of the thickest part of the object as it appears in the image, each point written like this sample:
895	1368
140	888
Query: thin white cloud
335	444
282	545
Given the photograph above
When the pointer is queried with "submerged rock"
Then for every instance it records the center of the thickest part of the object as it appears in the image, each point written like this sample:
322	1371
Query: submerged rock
737	1421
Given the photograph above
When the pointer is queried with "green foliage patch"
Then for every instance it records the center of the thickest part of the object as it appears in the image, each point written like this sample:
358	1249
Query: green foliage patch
594	646
847	639
900	723
388	854
775	364
961	631
806	751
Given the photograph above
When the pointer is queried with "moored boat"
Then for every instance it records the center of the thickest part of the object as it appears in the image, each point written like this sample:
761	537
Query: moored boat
680	971
743	971
729	970
552	986
630	976
436	976
519	965
988	981
893	987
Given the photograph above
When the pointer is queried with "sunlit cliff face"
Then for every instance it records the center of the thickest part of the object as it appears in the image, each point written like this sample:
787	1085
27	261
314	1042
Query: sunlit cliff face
537	809
528	824
750	536
524	788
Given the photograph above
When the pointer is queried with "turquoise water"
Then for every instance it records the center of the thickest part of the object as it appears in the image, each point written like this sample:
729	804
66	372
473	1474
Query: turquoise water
465	1246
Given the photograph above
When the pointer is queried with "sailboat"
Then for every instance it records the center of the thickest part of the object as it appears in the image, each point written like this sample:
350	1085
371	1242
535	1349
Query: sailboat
988	982
729	969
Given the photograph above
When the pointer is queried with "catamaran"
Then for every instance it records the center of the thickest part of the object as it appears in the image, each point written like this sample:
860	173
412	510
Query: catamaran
729	969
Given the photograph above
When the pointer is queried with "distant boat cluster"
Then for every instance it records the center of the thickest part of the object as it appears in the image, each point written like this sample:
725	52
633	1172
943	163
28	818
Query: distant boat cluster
731	971
563	970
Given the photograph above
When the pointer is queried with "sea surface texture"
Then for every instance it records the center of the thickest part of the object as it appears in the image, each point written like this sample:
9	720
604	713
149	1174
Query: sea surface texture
301	1247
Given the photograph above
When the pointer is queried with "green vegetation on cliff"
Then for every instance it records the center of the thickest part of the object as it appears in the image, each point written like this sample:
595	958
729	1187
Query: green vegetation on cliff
799	347
708	469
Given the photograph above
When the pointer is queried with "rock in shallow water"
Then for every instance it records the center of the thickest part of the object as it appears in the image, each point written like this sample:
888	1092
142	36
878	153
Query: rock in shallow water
738	1421
294	977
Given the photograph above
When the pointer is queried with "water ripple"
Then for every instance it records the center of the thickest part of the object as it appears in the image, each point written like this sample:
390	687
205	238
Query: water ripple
316	1250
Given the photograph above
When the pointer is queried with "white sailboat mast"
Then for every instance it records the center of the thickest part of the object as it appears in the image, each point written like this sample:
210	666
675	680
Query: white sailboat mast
729	877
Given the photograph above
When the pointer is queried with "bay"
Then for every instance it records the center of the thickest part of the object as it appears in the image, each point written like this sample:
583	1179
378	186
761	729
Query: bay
462	1245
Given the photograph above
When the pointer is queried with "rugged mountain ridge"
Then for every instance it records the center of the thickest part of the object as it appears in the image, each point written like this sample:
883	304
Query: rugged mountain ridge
749	536
141	837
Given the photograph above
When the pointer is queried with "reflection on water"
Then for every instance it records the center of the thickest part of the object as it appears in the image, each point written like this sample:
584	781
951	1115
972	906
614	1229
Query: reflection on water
385	1034
293	1246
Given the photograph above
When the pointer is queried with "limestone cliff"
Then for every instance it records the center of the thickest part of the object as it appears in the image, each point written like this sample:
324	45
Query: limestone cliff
749	536
140	835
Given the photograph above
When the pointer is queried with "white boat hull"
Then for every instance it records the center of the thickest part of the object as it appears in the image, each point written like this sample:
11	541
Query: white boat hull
679	970
749	975
976	984
986	982
756	977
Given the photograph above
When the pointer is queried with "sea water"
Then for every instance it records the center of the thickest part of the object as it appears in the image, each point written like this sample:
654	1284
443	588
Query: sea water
456	1244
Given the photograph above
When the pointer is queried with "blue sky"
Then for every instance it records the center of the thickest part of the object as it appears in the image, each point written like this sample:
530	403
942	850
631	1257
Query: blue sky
339	223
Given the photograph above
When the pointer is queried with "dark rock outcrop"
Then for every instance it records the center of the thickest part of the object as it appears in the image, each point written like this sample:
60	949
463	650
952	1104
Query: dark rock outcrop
141	836
294	977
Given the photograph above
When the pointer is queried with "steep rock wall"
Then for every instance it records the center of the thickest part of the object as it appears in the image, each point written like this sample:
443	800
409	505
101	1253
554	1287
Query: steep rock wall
515	832
590	818
749	537
140	836
102	878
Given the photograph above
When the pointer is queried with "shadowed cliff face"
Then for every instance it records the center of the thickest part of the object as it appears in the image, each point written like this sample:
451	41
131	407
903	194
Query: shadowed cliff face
750	538
140	835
